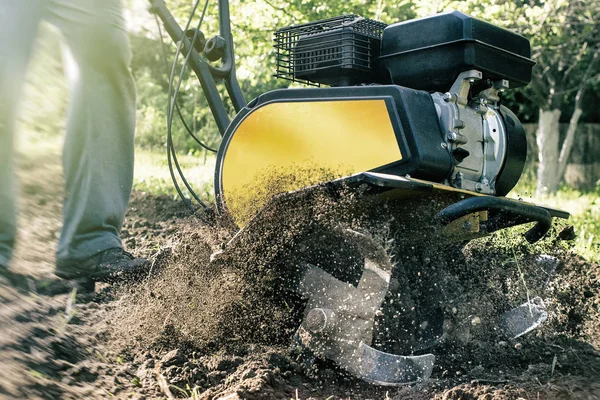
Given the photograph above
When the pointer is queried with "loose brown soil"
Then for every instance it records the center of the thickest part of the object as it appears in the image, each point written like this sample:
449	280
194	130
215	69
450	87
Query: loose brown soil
224	328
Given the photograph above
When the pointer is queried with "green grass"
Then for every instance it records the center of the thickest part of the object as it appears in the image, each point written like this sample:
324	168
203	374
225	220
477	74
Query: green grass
152	174
584	209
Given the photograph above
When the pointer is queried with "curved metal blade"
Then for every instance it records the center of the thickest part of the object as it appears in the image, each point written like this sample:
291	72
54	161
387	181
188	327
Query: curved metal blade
524	318
388	369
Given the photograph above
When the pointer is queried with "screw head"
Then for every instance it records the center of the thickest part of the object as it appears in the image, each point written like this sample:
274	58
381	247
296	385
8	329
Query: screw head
452	136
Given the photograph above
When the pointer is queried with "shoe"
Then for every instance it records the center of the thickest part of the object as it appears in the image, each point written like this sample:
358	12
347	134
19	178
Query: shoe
110	266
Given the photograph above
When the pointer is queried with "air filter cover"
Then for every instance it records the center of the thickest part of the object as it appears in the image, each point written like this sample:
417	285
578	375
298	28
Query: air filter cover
429	53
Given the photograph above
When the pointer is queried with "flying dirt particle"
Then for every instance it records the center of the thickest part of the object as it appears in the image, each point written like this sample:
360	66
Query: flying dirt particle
518	346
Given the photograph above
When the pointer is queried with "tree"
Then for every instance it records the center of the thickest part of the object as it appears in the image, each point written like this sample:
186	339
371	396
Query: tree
567	50
565	38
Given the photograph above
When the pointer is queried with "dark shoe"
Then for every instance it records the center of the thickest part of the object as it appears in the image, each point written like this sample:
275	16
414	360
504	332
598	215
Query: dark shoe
112	265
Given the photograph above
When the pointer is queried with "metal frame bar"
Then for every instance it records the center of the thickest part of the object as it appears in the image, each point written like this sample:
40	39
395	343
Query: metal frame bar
206	73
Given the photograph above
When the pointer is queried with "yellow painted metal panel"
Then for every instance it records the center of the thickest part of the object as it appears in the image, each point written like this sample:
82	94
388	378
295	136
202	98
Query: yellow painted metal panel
304	143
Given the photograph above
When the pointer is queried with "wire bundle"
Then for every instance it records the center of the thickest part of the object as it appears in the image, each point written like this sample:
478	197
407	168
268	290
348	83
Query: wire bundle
174	107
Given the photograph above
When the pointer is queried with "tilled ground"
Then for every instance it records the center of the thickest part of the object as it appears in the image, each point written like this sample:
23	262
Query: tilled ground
219	330
156	339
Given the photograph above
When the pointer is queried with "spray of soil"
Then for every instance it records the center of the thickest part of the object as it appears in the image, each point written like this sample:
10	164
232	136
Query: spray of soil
210	297
239	296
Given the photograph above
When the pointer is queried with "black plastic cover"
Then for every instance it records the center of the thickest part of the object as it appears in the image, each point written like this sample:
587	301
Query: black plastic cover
429	53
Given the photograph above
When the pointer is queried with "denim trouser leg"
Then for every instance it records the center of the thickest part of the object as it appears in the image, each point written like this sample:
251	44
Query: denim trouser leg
19	21
98	150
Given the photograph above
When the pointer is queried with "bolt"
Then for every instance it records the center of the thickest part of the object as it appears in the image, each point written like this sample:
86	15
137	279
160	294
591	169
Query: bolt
447	96
319	320
215	48
444	145
468	225
452	136
459	124
478	187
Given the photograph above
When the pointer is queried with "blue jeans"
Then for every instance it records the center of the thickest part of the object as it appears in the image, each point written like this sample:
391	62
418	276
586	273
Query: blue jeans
98	149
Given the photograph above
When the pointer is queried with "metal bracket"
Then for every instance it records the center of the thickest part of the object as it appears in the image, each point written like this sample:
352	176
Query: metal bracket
462	85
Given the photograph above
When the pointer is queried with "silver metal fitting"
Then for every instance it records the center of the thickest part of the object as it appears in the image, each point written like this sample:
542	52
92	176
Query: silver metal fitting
320	320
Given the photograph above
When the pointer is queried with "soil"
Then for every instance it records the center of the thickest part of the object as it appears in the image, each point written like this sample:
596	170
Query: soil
212	325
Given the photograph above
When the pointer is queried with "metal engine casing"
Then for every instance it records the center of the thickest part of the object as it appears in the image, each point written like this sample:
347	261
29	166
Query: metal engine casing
483	143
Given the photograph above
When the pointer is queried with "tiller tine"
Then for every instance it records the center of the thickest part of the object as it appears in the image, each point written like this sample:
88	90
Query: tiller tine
339	319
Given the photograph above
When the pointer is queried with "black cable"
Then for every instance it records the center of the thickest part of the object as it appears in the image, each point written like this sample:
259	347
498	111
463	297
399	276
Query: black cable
166	62
173	178
173	99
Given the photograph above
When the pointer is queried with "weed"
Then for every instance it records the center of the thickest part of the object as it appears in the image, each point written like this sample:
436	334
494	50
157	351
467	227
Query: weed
584	209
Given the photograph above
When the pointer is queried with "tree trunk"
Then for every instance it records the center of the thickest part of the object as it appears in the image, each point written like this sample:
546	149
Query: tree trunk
568	143
547	140
583	168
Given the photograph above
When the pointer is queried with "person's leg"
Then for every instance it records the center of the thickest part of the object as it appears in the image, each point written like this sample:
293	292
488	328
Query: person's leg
19	21
98	152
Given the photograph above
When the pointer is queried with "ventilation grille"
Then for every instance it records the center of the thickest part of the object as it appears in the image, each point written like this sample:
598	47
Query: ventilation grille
335	51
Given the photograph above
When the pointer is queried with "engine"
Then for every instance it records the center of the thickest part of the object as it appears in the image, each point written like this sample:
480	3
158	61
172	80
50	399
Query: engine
461	64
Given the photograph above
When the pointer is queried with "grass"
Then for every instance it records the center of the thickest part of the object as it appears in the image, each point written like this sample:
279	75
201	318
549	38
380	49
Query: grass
585	213
152	174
